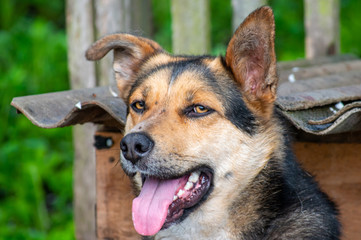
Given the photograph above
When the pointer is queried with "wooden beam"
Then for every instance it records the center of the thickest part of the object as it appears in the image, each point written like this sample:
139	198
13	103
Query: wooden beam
289	65
190	24
115	16
322	27
80	34
241	9
344	69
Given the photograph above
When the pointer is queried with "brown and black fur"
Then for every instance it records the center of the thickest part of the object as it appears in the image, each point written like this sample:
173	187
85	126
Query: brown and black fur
258	189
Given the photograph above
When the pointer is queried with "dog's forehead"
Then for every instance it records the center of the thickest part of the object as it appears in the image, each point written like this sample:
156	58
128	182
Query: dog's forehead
165	71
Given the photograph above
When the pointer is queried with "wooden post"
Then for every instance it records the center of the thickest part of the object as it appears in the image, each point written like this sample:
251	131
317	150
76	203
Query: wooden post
79	22
88	20
322	27
241	9
114	16
190	24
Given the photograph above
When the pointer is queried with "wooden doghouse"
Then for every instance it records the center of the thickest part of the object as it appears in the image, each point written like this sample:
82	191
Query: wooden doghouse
320	100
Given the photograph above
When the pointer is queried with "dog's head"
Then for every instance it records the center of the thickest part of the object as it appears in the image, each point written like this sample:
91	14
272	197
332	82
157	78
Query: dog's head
195	125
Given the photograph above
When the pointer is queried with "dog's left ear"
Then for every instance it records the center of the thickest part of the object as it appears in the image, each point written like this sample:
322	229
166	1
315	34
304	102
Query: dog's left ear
129	51
252	59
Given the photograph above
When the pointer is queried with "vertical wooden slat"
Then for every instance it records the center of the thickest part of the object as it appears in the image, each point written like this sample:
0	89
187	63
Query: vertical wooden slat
322	27
108	19
114	195
241	9
84	181
190	24
115	16
140	17
80	34
86	21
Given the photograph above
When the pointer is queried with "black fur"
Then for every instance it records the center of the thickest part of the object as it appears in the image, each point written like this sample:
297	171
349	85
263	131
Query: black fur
290	204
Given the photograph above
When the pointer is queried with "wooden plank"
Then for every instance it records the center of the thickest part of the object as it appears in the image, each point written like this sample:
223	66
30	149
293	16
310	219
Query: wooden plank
108	19
80	35
241	9
337	169
322	27
320	71
190	24
114	16
114	194
289	65
139	17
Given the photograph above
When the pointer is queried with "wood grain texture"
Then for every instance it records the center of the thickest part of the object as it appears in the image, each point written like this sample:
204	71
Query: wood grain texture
116	16
322	28
241	9
80	34
114	194
337	169
190	25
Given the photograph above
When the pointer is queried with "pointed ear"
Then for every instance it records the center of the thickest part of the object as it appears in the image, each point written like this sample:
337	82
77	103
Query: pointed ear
129	51
252	59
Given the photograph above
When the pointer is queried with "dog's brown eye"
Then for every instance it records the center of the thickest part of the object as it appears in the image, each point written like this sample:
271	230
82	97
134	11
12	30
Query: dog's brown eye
196	111
200	109
138	106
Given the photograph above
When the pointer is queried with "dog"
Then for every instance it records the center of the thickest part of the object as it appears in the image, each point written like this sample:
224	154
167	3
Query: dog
204	146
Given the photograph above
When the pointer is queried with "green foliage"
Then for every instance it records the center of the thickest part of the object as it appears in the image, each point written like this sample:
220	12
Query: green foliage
162	23
35	164
221	25
290	34
350	27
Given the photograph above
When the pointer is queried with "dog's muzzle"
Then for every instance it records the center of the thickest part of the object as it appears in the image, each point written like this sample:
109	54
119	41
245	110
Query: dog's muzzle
136	146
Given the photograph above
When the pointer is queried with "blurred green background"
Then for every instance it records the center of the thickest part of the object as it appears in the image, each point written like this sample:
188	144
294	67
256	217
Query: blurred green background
36	164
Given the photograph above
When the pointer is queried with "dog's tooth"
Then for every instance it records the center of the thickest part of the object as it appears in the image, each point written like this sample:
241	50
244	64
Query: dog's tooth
188	186
175	197
194	177
180	193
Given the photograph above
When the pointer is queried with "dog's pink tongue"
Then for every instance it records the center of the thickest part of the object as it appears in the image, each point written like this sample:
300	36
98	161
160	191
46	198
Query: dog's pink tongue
150	208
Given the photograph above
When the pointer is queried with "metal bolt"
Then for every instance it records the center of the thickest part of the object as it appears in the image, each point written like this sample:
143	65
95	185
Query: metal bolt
109	142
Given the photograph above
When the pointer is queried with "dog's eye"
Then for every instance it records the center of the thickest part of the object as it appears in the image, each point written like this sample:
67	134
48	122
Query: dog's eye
138	106
197	110
200	109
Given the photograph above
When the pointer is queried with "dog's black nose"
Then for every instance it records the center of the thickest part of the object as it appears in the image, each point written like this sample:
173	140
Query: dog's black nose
136	146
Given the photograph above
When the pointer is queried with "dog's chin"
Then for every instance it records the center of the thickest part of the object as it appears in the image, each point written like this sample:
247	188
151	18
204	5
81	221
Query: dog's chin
189	191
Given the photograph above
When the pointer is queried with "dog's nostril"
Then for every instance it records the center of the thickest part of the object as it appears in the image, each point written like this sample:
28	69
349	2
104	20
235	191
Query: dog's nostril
140	148
136	146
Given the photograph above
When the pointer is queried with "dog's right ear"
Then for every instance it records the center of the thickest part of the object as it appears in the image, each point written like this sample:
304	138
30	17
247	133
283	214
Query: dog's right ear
129	51
252	59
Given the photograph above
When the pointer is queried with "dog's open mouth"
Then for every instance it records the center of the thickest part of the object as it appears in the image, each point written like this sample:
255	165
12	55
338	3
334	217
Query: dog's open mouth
162	202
